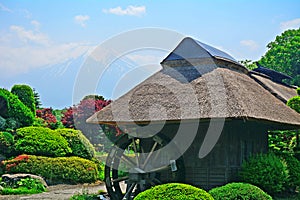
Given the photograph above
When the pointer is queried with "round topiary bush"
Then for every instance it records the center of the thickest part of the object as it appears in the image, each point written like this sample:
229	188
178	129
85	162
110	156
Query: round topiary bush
79	144
11	107
26	96
174	191
266	171
243	191
41	141
293	166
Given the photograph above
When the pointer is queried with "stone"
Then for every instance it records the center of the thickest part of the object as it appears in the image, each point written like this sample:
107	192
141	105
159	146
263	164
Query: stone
13	178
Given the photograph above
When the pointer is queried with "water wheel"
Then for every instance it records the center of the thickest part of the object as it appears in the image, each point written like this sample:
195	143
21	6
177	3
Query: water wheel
135	164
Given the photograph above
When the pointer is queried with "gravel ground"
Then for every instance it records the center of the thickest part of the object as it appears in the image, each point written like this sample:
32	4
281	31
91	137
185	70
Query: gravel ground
58	192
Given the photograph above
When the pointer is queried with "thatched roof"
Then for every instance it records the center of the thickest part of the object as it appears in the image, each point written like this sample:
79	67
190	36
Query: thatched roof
280	90
203	86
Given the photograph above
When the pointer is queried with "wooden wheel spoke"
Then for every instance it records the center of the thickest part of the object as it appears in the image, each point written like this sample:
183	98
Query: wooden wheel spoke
120	179
127	160
136	153
163	168
129	191
150	154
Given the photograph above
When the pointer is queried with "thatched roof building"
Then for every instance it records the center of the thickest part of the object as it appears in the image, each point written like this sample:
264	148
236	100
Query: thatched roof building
198	87
198	81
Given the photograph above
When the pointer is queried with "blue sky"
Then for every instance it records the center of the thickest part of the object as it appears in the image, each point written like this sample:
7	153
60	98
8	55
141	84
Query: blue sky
44	43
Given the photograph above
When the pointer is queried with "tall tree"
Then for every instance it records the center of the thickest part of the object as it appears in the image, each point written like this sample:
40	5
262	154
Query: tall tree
37	100
283	55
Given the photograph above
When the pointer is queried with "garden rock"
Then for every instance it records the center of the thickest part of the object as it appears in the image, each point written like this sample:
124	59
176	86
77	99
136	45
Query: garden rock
13	178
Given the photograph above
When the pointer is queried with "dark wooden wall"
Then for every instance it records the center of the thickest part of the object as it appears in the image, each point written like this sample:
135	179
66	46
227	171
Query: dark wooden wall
238	141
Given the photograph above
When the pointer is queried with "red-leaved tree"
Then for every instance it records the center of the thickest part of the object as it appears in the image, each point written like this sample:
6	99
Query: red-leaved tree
49	118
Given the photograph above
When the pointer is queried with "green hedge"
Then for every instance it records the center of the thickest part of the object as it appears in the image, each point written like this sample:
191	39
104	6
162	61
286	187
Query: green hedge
6	143
25	94
293	166
243	191
174	191
41	141
266	171
54	170
13	108
79	144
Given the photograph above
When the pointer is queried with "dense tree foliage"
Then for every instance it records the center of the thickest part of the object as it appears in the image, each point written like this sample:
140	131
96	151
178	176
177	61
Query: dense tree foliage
283	55
26	95
249	64
15	113
294	103
48	118
37	99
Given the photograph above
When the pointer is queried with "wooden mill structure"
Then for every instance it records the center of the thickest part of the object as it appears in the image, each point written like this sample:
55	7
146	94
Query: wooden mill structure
194	121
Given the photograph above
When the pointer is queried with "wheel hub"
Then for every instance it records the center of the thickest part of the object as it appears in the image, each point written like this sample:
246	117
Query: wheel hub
137	175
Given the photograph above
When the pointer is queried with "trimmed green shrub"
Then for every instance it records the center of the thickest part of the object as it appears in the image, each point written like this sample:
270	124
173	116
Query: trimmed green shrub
25	94
266	171
243	191
101	168
293	166
294	103
6	143
41	141
54	170
174	191
12	107
79	144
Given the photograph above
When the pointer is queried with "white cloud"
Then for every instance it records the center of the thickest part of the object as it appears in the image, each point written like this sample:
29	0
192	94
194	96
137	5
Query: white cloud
292	24
4	8
130	10
81	19
252	45
25	50
36	24
27	36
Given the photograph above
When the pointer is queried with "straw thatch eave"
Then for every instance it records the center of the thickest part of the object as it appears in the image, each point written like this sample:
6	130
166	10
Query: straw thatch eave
167	96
